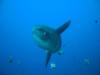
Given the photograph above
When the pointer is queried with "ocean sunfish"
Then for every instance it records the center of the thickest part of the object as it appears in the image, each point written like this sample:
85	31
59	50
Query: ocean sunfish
48	38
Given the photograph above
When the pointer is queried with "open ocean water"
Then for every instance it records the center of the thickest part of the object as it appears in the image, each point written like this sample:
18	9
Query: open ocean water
19	55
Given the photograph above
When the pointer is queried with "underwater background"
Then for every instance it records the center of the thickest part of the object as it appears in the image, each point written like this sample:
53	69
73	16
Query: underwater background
19	55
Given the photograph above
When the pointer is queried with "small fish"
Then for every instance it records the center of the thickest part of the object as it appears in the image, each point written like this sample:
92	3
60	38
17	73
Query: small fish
53	66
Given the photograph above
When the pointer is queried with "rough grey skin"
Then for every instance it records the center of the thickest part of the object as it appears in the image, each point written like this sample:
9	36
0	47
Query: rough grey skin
48	38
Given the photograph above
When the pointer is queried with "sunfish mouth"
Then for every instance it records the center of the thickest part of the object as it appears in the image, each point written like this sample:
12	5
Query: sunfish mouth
43	35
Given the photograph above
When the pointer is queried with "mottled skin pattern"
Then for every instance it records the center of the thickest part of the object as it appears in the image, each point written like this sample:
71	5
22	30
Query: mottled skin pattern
48	38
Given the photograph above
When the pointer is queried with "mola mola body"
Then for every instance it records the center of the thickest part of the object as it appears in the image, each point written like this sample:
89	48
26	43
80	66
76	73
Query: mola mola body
48	38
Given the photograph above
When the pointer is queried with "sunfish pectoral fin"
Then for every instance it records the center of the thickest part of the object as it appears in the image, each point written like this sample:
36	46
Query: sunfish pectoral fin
48	58
63	27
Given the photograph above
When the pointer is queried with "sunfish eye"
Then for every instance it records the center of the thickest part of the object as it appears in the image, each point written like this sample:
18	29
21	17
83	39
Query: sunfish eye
46	35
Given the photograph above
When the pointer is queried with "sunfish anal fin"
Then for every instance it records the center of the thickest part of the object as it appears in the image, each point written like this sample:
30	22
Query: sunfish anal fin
48	58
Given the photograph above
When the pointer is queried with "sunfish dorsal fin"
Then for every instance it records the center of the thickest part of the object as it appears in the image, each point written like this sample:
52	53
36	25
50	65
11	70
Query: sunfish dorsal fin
48	58
63	27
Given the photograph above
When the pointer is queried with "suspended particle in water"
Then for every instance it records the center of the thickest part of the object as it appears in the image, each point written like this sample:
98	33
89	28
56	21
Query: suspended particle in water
18	62
87	61
10	60
60	52
70	31
77	30
96	21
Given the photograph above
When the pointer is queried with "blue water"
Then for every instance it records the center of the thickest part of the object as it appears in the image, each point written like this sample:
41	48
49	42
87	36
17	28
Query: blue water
19	55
